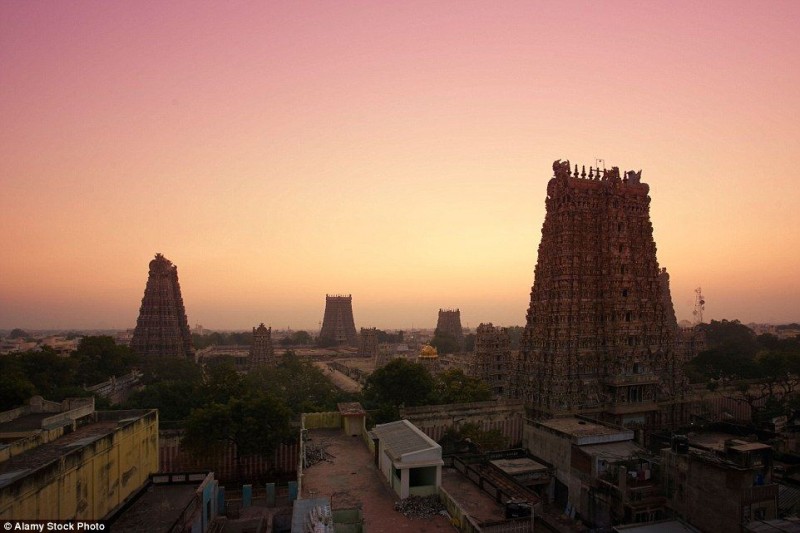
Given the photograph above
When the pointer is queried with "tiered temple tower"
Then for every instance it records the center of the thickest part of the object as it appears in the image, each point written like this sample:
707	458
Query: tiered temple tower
338	324
262	351
449	323
368	342
492	359
600	333
162	329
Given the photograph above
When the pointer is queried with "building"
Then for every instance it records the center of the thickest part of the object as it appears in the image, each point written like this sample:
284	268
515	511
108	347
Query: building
600	333
262	351
722	485
410	460
492	359
171	502
368	342
449	324
601	474
338	325
70	462
162	329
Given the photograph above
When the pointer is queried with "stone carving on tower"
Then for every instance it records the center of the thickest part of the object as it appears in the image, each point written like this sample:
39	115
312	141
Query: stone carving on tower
492	359
600	332
162	329
338	325
262	352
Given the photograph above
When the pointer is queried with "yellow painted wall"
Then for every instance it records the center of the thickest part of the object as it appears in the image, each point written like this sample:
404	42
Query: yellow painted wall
89	481
331	419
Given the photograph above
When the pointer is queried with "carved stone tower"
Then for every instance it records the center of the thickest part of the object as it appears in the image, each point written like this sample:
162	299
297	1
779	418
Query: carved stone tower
368	342
162	329
262	351
338	325
449	323
492	360
600	332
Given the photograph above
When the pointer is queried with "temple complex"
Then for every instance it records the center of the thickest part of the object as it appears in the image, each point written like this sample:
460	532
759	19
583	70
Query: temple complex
449	323
262	351
162	329
600	336
492	359
338	325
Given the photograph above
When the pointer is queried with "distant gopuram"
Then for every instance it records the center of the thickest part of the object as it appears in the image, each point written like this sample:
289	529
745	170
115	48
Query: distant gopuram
262	351
162	329
449	323
338	326
492	359
368	342
600	336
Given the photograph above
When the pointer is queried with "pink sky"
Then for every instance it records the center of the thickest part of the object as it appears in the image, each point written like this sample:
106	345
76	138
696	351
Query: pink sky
397	151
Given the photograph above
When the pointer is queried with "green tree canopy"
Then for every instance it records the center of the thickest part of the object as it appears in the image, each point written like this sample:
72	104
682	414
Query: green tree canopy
453	386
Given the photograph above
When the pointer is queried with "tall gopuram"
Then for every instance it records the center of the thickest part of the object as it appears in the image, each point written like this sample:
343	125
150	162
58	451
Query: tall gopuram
262	351
338	325
449	323
492	359
600	336
162	329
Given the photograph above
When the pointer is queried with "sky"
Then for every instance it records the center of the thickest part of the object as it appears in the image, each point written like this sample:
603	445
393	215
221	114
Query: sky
395	151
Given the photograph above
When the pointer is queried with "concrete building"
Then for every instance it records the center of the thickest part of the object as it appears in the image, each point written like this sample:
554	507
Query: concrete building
78	464
720	485
601	474
410	460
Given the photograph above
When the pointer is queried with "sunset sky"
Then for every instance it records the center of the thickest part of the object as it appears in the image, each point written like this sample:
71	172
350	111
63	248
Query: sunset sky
395	151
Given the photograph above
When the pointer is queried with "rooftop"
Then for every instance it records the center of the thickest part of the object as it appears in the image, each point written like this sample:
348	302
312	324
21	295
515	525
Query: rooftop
23	464
351	480
521	465
351	409
156	509
586	432
401	438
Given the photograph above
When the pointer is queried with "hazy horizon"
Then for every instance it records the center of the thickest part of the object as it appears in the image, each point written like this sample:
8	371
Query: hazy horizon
396	152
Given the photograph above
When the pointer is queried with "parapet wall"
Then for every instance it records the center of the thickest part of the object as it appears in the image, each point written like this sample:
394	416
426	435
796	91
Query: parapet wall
505	416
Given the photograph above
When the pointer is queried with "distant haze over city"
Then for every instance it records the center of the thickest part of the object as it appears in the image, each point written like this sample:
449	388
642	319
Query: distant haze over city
400	153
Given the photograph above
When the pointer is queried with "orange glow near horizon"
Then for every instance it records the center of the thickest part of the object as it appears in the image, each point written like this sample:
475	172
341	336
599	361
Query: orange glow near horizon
400	153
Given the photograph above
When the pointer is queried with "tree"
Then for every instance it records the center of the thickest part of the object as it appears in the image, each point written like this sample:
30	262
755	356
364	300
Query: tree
254	424
303	386
99	358
444	343
453	386
456	439
398	383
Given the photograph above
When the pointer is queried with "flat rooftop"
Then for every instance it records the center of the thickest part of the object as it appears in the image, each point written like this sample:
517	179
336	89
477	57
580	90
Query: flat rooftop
28	422
522	465
25	463
352	480
586	432
156	509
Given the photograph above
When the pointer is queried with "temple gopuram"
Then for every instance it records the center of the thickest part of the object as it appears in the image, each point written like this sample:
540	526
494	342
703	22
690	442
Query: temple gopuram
162	329
601	336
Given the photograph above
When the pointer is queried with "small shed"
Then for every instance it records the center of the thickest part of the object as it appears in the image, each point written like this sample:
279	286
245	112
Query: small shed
410	460
353	416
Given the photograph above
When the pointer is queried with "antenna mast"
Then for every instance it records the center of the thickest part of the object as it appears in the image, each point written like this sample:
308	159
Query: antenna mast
699	306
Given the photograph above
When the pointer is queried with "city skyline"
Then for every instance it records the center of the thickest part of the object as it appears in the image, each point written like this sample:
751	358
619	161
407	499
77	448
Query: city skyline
399	153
